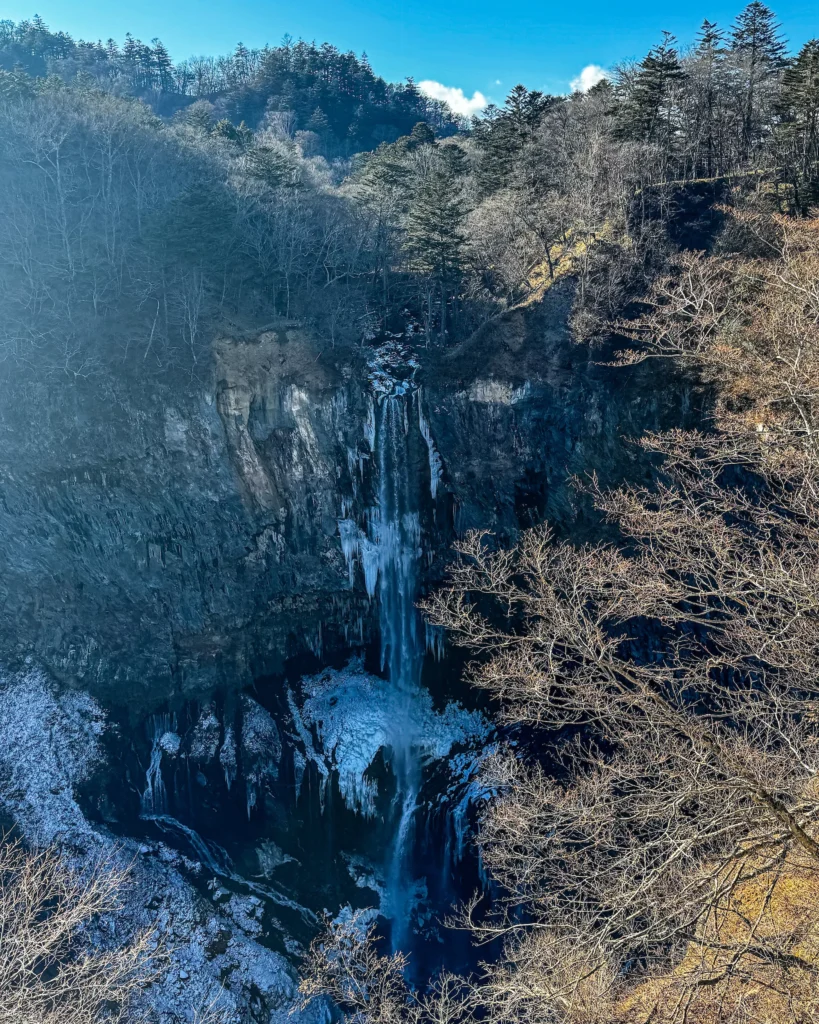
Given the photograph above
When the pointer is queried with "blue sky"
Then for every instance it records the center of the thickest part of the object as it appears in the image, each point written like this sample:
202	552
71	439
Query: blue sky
467	44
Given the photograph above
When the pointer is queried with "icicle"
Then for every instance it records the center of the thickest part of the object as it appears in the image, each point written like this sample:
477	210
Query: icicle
299	764
436	464
351	538
369	424
309	751
358	548
435	641
227	756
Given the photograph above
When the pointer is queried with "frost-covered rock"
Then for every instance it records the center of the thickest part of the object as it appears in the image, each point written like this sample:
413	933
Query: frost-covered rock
51	743
392	367
261	748
271	857
204	741
169	743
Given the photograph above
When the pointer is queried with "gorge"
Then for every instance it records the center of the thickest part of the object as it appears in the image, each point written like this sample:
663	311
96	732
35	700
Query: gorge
277	711
409	532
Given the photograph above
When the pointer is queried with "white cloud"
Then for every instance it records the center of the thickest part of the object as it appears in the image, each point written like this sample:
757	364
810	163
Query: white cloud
458	102
589	77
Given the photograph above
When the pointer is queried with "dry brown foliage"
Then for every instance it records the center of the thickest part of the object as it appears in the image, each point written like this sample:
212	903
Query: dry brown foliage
51	969
662	863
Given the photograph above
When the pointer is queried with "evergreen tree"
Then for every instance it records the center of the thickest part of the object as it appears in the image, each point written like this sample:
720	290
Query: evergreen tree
502	133
162	66
241	63
800	102
145	65
421	135
756	33
434	233
318	122
130	60
760	53
650	111
708	90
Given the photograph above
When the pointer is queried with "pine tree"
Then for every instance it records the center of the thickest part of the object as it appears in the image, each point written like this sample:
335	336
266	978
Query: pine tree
434	233
130	60
756	32
800	103
145	64
503	133
162	66
318	122
650	112
421	135
760	51
708	88
241	63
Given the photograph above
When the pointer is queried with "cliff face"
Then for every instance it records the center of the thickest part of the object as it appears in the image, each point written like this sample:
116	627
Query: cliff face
520	409
154	545
157	544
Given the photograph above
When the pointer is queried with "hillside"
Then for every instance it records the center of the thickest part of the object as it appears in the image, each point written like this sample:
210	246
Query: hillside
395	509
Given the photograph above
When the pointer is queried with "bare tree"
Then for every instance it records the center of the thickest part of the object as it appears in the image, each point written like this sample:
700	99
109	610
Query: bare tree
658	851
53	970
345	965
665	858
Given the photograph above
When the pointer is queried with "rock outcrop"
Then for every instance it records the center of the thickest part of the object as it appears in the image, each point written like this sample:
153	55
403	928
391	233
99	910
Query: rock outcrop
158	544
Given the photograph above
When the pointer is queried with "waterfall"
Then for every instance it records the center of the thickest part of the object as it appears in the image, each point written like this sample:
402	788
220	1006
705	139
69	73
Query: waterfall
356	715
396	533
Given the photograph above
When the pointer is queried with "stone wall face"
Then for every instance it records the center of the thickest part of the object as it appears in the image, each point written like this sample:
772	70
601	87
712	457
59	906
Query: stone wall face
157	544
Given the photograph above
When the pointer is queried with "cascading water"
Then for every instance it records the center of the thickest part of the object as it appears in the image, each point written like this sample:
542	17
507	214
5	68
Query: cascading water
395	530
357	715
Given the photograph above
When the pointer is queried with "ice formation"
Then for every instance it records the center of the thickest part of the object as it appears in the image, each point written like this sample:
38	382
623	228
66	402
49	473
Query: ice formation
261	749
436	464
164	740
227	756
356	715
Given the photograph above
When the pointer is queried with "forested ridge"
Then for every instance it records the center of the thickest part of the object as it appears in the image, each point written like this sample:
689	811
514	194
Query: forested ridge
652	835
148	201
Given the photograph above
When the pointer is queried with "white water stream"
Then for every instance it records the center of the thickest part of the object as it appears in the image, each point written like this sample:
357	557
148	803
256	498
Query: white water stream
395	530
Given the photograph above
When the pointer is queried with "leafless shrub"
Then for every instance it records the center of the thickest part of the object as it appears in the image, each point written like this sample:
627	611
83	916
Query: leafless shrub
345	965
52	969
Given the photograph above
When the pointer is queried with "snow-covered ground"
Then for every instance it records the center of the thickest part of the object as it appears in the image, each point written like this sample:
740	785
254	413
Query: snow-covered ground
51	744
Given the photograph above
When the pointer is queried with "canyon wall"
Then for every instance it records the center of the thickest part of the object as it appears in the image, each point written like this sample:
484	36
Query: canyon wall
160	542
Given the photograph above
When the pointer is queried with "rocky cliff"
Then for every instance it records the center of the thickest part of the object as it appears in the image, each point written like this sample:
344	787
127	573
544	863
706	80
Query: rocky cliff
158	543
213	565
